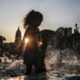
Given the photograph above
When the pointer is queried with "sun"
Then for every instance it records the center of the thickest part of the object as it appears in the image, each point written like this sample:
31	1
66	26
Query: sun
26	40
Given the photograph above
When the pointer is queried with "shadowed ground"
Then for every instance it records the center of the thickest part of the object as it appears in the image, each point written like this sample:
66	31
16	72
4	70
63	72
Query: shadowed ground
42	76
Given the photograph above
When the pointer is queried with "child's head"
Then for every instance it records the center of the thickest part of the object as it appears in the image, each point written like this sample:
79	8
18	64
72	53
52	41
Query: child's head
33	18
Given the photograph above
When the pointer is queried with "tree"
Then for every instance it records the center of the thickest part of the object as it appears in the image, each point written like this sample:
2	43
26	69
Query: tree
2	39
1	44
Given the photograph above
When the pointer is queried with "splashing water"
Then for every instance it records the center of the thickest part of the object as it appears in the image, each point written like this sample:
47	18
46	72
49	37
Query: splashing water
64	60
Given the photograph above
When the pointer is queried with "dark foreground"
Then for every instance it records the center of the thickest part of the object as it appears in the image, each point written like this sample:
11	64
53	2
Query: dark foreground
44	76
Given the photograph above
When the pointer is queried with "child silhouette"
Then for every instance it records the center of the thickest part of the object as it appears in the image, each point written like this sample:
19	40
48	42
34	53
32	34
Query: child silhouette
30	41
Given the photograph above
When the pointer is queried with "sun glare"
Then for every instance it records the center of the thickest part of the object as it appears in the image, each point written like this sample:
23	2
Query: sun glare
26	40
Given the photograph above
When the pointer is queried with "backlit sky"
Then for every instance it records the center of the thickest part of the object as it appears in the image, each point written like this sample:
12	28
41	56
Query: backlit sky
57	13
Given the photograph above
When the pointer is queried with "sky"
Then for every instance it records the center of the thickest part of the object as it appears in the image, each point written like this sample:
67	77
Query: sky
56	13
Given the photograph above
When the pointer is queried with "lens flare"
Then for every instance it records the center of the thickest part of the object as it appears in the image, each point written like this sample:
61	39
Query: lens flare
40	43
26	40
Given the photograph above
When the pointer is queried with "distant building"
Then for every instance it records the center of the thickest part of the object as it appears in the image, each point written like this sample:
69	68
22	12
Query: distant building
18	38
12	47
9	46
76	28
65	31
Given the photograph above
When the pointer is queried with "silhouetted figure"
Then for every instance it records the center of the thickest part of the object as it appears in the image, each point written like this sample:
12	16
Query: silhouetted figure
31	42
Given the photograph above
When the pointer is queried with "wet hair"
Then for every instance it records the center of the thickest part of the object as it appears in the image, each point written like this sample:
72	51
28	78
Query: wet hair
33	18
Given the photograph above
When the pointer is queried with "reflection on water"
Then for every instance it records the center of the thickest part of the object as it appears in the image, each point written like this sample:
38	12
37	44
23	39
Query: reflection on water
60	64
44	76
62	76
